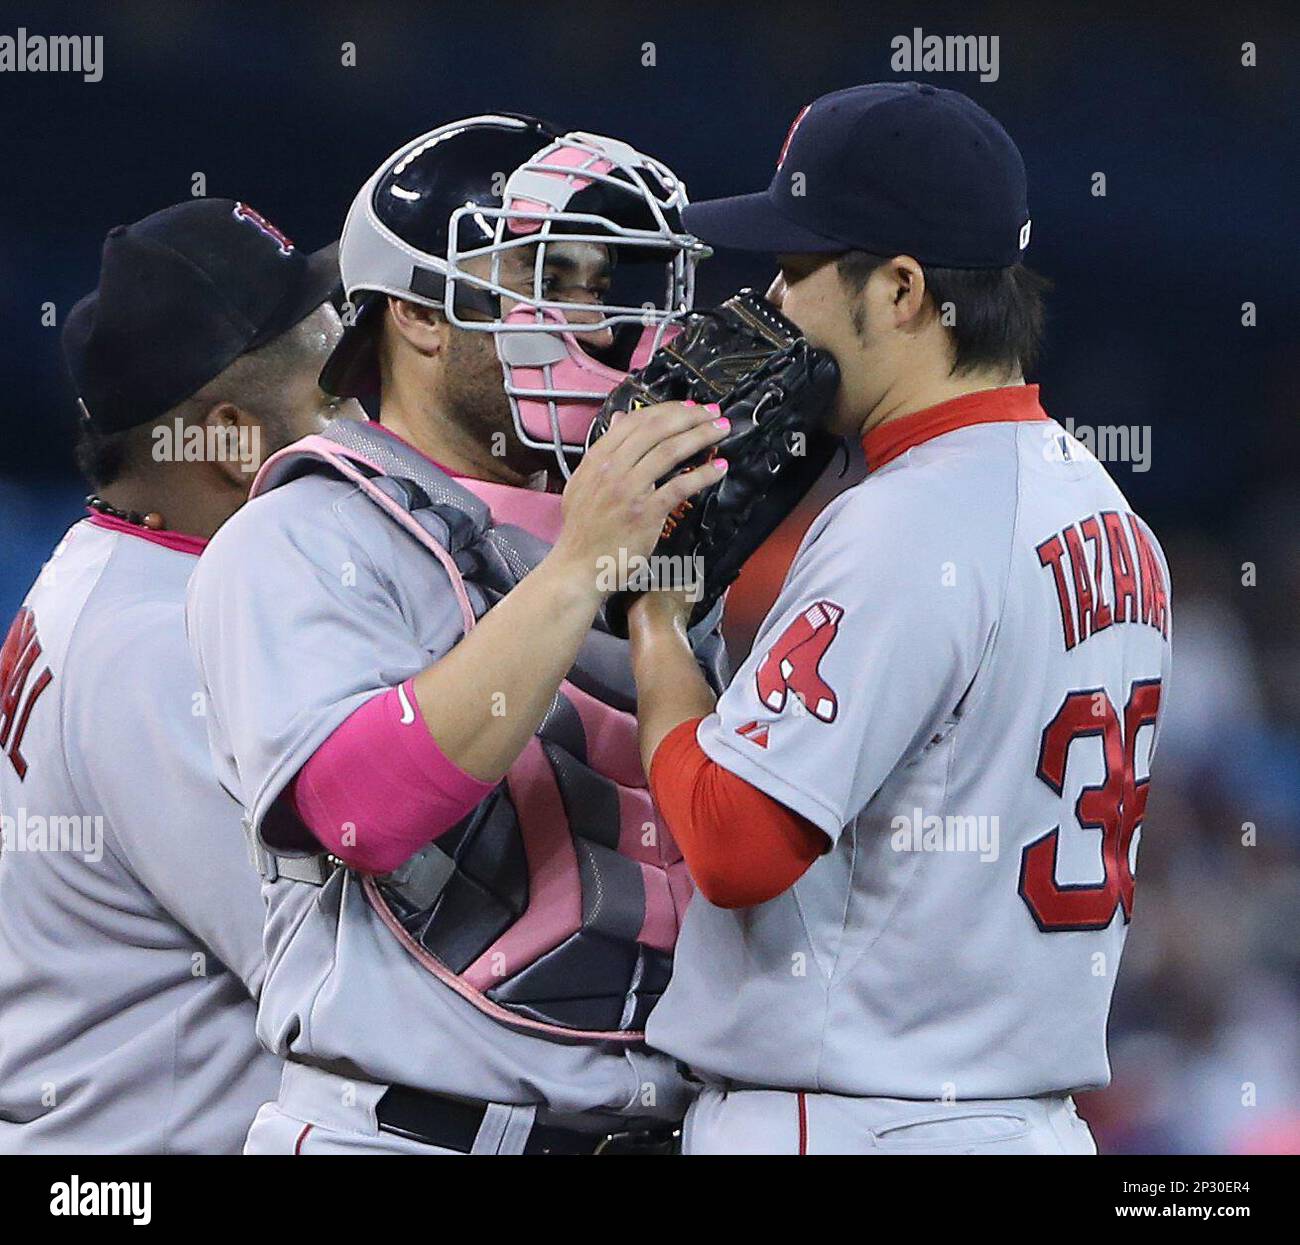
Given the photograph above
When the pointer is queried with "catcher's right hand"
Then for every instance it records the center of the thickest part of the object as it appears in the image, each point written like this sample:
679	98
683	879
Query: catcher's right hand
777	392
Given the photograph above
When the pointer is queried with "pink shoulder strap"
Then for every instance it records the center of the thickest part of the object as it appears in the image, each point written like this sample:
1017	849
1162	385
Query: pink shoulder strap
344	462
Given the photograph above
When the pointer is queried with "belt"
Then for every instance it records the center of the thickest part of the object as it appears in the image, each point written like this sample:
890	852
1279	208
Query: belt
452	1125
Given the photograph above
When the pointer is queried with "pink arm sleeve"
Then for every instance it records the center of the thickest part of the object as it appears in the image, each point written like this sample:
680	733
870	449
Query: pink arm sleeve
379	788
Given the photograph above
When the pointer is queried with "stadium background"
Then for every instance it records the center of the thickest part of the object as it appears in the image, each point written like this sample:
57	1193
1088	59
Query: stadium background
1146	330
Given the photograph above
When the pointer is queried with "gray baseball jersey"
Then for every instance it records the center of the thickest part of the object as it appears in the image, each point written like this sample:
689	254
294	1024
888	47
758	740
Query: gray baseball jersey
130	925
959	684
306	604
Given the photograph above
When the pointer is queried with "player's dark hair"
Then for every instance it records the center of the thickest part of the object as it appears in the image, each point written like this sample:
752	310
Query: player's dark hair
995	315
104	457
254	382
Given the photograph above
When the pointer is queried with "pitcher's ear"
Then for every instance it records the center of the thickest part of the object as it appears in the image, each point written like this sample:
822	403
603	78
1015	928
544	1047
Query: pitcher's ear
906	286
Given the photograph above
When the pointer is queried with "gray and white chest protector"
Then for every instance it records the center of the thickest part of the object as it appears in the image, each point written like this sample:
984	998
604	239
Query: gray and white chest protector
554	906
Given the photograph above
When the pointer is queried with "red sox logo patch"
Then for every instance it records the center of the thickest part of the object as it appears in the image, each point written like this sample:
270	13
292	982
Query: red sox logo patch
792	663
258	221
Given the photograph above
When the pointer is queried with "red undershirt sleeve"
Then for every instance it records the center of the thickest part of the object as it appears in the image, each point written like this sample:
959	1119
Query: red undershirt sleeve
741	846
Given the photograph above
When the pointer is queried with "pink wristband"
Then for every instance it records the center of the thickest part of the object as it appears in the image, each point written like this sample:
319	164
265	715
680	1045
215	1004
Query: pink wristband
379	788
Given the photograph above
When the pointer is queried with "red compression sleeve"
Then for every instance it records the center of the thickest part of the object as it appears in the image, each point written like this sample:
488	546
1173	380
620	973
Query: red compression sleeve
742	847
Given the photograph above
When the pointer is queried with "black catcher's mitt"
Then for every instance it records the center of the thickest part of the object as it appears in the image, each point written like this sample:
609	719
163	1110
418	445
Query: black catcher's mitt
777	391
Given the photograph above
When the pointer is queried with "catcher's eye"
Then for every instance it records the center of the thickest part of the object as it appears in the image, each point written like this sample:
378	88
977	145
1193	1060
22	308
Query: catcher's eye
595	292
576	272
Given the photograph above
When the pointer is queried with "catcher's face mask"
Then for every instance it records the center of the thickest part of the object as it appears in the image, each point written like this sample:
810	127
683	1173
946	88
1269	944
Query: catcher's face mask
566	341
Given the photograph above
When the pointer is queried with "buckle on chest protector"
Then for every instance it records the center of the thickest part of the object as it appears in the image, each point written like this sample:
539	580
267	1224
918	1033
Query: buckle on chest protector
314	870
422	878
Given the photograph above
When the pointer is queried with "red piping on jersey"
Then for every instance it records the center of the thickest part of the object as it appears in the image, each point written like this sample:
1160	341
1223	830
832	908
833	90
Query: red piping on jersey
178	541
1010	404
803	1122
302	1136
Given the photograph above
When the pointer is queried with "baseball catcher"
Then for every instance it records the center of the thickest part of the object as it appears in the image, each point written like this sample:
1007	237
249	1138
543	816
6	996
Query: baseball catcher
470	909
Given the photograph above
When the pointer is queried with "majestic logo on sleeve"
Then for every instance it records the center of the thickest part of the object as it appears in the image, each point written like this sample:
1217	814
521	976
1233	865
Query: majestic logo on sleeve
792	663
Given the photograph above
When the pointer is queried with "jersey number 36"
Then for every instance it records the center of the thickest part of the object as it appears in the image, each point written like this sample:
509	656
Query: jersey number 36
1115	807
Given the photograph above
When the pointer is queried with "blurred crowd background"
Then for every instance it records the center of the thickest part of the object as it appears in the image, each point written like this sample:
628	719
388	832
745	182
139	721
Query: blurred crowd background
1202	174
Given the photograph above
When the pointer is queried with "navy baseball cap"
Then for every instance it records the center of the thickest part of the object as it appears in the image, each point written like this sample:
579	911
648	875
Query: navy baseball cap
181	295
894	168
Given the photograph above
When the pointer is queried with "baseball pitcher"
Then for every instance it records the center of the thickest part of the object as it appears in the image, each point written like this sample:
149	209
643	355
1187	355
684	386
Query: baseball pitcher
913	816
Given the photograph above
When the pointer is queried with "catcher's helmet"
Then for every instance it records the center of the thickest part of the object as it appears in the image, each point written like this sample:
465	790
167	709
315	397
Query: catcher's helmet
396	236
579	189
435	220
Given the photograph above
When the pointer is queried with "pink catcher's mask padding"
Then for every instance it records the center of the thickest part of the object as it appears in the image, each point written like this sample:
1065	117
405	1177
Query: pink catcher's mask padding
555	385
563	159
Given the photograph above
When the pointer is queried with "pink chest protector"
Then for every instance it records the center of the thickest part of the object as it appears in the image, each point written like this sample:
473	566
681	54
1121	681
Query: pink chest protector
555	905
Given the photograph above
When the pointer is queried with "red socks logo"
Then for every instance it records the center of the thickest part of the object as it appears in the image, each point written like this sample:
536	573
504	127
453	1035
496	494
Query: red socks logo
791	664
